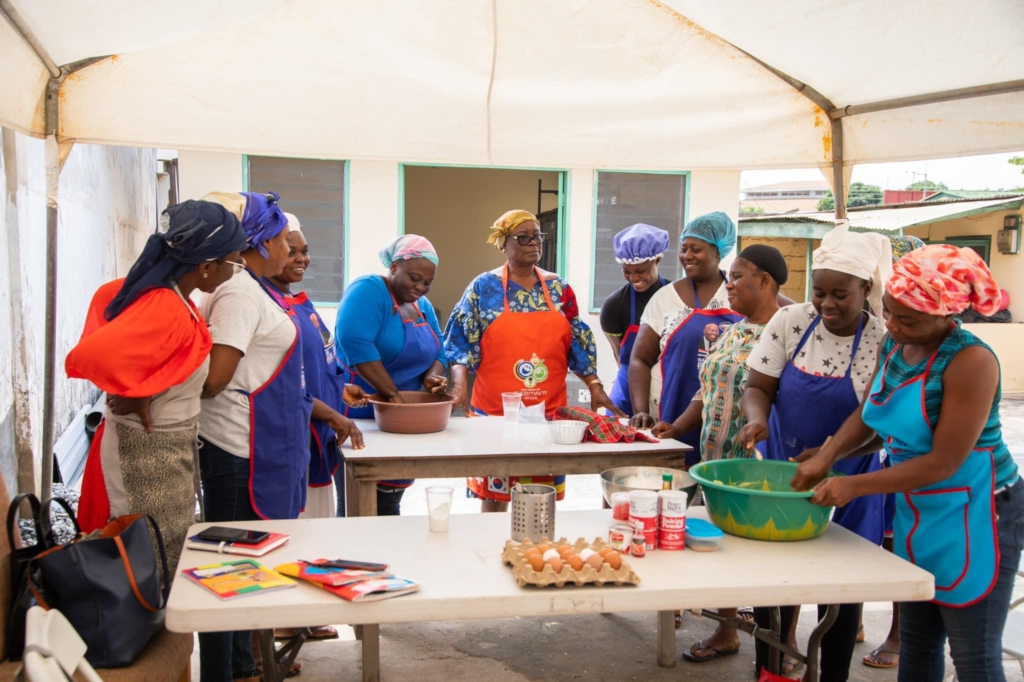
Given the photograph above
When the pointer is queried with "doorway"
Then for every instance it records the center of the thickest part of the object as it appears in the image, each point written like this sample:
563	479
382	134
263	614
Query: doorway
453	207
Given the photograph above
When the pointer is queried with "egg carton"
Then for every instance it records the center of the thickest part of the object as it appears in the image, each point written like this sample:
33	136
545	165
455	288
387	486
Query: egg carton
525	575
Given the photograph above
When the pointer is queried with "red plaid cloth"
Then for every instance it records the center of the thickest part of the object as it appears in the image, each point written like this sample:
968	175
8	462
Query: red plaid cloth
602	429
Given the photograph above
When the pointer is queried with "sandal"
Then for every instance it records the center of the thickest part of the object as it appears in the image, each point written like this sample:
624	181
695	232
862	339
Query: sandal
790	665
316	634
874	659
692	656
294	671
745	614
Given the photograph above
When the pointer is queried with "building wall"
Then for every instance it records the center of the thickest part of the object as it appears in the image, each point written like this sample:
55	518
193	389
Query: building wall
452	207
107	202
374	217
795	253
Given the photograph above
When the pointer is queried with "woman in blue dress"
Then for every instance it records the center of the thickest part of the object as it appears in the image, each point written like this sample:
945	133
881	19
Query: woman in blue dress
934	402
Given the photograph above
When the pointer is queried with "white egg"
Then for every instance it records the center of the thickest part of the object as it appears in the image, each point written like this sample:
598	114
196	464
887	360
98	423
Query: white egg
548	554
586	554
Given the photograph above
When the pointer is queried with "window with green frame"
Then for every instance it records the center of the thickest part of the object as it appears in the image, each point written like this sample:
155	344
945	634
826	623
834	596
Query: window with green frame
313	190
624	199
981	243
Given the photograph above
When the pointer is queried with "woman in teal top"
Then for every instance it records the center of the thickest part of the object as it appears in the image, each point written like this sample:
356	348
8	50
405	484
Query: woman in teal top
934	402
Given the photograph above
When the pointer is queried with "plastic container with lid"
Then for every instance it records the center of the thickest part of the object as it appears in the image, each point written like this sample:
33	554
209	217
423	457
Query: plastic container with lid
702	536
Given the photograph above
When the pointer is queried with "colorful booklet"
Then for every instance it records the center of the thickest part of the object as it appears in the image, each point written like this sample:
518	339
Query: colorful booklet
327	575
232	579
271	543
356	586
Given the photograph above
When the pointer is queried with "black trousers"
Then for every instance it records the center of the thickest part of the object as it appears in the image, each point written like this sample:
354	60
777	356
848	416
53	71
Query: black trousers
836	646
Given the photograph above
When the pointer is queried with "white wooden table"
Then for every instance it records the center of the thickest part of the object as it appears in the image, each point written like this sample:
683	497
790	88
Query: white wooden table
838	567
485	446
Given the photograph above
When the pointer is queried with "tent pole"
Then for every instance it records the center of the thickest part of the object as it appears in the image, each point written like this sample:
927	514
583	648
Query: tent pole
52	162
21	27
930	98
838	180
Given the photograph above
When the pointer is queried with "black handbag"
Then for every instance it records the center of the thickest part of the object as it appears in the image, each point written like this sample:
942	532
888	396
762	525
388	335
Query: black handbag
21	597
108	585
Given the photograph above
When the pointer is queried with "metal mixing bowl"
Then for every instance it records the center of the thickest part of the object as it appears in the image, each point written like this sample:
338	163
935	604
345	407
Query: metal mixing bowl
625	479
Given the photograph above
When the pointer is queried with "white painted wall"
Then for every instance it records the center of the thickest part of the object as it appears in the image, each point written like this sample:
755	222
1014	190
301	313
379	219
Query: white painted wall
107	204
203	172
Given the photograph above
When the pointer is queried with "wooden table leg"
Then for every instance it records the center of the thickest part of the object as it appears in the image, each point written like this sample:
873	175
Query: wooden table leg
268	654
371	653
351	491
367	498
666	639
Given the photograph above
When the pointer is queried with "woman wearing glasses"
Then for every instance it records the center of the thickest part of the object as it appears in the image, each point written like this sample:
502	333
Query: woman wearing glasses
142	460
254	426
519	329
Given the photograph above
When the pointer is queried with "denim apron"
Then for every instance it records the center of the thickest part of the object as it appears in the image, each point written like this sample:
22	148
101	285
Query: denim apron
620	389
680	366
325	382
279	413
807	410
949	527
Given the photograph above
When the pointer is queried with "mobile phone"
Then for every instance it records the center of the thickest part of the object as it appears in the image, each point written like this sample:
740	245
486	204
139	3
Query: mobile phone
239	535
349	565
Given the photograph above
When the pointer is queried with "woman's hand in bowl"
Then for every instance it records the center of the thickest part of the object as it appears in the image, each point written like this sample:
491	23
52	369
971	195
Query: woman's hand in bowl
436	384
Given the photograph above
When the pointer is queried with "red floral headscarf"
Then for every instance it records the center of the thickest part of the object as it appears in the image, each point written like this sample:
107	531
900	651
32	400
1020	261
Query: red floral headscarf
944	280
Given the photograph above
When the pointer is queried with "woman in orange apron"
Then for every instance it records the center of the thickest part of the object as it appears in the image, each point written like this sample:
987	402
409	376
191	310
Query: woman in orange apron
519	329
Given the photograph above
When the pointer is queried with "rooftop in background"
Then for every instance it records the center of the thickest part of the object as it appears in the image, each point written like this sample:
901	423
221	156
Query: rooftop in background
784	197
792	185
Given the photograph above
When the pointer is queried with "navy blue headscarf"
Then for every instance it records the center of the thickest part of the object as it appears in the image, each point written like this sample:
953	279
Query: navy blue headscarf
200	231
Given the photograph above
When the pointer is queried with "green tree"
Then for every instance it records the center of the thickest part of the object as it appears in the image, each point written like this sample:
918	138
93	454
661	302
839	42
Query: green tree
928	186
751	210
1018	161
860	195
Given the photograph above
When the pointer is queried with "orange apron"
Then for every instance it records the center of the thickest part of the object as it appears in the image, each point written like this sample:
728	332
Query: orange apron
526	352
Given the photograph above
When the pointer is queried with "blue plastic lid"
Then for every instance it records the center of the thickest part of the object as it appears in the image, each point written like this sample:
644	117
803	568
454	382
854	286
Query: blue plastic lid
699	528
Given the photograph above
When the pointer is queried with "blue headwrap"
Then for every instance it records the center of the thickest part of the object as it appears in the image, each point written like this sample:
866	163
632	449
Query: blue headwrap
715	228
200	231
639	243
262	219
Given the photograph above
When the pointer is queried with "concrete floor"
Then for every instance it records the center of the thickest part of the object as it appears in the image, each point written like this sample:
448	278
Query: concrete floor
613	648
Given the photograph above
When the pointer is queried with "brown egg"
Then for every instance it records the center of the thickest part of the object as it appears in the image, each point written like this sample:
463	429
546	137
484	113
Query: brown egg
575	562
556	564
543	548
563	547
531	552
614	560
605	552
535	562
595	562
565	552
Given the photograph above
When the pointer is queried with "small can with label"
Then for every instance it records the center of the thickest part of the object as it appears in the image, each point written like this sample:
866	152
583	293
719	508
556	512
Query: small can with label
672	520
643	503
620	537
620	506
639	548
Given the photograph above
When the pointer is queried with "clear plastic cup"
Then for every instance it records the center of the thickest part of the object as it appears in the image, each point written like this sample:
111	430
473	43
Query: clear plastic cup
510	403
439	507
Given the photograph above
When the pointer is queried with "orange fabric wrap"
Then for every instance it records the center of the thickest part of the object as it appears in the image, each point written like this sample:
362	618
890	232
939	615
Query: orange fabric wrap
154	344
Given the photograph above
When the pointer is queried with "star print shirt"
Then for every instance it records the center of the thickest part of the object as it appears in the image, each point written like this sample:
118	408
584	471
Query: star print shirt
823	354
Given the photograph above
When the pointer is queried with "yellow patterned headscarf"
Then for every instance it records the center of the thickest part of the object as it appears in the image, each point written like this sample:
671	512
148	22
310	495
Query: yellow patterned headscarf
505	224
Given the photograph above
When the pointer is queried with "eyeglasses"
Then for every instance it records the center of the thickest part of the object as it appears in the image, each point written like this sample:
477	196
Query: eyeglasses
524	239
235	266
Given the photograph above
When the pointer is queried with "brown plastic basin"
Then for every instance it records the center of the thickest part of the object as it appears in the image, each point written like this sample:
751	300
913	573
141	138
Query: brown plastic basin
421	412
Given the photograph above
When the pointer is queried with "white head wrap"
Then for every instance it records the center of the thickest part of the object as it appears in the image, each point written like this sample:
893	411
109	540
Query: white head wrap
866	255
293	223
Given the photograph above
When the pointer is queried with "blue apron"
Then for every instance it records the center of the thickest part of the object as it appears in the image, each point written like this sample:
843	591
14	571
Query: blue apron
681	361
620	389
948	528
279	413
407	370
807	410
324	381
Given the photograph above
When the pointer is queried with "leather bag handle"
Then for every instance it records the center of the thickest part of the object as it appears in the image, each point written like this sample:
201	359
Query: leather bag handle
44	521
13	513
165	592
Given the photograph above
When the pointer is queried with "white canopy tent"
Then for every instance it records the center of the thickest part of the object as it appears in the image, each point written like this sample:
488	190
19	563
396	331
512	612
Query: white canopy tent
624	84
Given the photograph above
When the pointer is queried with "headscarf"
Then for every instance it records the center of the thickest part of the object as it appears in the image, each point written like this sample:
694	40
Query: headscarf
942	279
867	255
199	232
261	217
902	245
505	224
769	259
406	247
715	228
639	243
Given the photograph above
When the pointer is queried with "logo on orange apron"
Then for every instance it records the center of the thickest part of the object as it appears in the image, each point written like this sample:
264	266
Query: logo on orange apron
531	372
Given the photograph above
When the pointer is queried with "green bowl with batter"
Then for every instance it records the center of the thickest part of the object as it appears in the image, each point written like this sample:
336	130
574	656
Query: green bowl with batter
753	499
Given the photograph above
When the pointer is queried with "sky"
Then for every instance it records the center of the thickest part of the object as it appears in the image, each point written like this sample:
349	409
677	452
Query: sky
991	171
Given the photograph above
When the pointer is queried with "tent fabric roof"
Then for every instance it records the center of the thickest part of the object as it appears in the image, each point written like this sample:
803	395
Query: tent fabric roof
888	219
627	84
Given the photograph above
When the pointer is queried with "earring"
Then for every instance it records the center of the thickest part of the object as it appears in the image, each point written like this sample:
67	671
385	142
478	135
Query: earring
205	275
